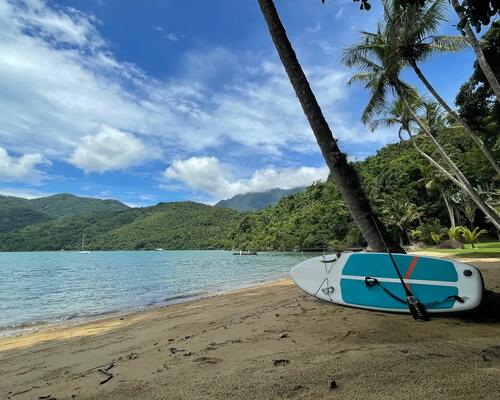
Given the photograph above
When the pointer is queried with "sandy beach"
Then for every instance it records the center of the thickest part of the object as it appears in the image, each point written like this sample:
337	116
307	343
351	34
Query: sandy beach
268	342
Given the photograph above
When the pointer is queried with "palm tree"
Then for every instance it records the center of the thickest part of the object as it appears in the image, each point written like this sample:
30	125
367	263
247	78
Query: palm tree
476	46
401	213
472	236
435	181
380	65
341	171
467	207
411	30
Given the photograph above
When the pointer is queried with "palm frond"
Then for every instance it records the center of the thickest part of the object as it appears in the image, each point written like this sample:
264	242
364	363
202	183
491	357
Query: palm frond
377	99
444	43
362	77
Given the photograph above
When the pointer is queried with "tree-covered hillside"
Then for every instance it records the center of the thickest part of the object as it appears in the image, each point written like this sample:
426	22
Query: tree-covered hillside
396	180
17	213
183	225
168	225
62	205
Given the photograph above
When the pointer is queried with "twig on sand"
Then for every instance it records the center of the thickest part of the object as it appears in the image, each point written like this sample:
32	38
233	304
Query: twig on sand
105	371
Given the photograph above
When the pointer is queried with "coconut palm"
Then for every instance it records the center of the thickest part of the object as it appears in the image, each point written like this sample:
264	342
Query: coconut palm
380	65
401	213
344	175
411	30
472	236
478	50
436	181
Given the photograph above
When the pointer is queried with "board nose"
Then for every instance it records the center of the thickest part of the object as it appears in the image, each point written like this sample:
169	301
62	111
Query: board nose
308	274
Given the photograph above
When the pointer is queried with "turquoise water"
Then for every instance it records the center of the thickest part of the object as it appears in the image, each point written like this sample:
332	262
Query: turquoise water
40	288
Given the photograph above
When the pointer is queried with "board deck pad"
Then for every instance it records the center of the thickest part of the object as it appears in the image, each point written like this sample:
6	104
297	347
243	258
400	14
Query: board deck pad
422	268
355	292
433	281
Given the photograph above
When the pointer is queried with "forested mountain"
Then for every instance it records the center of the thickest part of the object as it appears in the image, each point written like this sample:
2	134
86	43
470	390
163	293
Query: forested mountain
257	200
16	212
62	205
168	225
396	180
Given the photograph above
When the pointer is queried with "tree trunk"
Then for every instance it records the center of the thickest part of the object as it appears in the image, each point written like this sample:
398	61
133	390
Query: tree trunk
408	237
481	59
477	140
451	213
343	173
487	210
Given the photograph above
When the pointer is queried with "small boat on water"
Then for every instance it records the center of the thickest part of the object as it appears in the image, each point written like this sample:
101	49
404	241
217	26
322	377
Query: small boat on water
83	251
245	253
158	249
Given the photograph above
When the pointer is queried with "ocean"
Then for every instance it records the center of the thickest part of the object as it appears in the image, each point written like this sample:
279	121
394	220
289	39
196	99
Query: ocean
50	288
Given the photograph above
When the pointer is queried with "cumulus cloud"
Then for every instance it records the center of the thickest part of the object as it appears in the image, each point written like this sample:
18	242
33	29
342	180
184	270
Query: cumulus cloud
60	82
109	149
209	175
21	169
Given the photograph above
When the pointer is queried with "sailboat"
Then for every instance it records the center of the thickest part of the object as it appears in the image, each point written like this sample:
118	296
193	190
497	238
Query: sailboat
83	251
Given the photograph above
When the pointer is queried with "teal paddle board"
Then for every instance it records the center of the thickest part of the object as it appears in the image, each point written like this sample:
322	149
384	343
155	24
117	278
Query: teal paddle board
369	280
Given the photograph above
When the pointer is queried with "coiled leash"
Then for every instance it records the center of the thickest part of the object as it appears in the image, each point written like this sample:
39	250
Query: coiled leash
371	282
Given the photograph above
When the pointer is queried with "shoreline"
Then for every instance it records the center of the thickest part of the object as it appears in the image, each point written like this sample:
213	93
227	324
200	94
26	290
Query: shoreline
103	322
264	342
43	327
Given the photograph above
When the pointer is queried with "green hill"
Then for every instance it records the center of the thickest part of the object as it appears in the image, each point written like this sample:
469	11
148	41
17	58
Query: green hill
168	225
17	212
63	205
183	225
393	178
13	218
257	200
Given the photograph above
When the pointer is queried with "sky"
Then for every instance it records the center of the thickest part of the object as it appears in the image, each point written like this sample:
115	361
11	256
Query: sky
146	101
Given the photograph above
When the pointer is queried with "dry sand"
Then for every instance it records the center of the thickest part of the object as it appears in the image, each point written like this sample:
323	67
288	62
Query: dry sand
269	342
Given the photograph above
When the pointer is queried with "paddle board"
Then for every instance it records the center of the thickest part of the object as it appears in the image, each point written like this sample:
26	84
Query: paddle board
369	280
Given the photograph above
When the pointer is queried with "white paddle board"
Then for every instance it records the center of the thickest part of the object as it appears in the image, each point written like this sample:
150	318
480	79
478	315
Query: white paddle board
369	280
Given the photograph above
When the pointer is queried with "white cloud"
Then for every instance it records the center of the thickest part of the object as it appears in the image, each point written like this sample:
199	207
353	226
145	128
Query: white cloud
109	149
326	46
24	193
167	35
60	83
314	29
339	13
207	174
21	169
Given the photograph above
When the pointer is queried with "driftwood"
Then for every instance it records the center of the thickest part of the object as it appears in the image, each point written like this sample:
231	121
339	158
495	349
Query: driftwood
105	371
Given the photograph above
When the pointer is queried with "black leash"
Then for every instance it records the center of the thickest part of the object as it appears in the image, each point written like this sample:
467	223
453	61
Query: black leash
370	282
417	309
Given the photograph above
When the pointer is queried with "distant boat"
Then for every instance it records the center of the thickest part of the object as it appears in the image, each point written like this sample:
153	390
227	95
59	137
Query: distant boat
83	251
158	249
245	253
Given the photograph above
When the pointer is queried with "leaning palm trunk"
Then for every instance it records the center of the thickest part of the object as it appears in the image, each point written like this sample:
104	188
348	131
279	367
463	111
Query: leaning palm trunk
476	46
459	176
342	172
449	208
477	140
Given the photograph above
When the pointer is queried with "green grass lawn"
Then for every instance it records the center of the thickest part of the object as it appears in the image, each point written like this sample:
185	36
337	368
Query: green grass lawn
481	250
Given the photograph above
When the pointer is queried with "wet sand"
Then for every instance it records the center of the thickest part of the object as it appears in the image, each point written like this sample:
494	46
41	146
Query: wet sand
268	342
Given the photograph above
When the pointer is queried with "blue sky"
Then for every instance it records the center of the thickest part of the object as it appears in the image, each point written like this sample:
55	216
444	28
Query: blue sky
147	101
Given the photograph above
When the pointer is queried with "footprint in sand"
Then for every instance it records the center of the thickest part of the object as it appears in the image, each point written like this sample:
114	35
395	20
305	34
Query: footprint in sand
207	360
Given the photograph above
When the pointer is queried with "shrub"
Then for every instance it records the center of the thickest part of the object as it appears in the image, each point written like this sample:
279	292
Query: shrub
455	233
436	237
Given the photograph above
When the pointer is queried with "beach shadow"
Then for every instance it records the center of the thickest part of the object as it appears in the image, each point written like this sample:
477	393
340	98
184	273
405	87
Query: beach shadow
487	313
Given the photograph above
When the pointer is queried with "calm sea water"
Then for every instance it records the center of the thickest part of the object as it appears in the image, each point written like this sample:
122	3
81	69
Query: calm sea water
40	288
